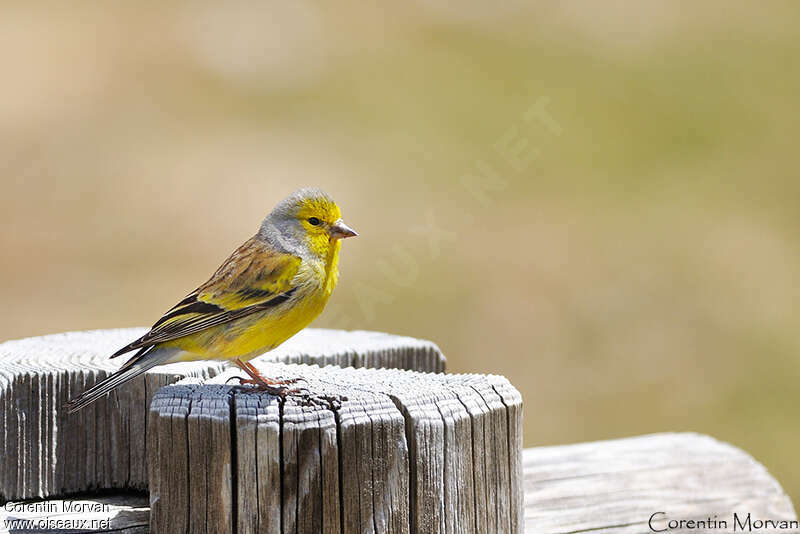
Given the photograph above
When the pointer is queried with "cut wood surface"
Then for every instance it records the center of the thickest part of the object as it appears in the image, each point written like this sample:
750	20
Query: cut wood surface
609	487
617	486
46	452
364	451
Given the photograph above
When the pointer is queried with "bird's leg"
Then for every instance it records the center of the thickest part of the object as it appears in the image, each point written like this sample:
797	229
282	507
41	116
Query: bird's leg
278	387
271	381
259	381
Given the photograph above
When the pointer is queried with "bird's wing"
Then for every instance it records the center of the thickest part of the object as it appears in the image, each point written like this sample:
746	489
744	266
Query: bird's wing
253	279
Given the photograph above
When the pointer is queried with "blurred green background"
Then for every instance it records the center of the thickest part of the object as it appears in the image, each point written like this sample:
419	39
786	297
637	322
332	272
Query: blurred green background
634	268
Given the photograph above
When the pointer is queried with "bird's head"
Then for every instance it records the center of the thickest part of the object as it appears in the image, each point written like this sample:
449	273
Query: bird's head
308	220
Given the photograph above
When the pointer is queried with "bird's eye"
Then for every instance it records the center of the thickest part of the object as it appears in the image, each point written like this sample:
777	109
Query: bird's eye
313	221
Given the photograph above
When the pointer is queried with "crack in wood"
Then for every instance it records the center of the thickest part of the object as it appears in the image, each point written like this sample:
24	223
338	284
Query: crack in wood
400	456
39	442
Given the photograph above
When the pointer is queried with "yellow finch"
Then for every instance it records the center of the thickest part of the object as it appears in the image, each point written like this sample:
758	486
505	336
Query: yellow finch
270	288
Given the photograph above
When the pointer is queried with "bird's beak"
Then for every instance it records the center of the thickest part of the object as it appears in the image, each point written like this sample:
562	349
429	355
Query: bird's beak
340	230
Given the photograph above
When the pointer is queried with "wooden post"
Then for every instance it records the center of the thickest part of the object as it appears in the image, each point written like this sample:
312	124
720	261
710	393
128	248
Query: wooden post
612	487
365	451
623	486
46	452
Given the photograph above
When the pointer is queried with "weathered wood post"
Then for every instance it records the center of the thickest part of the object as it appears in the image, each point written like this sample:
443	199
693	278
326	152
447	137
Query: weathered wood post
368	451
405	452
46	452
613	487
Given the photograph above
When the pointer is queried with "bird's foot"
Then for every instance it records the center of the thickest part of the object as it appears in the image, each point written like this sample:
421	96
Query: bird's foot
301	396
253	385
275	386
262	380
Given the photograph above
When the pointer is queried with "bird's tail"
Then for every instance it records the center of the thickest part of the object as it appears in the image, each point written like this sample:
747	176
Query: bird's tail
138	364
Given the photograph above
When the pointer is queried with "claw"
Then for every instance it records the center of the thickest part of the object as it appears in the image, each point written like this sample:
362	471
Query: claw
240	379
287	381
278	387
255	386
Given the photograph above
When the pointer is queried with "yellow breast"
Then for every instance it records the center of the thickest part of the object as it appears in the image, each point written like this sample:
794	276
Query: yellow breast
255	334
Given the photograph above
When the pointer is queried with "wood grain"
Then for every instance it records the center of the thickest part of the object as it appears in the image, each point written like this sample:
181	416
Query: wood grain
46	452
363	451
616	486
608	487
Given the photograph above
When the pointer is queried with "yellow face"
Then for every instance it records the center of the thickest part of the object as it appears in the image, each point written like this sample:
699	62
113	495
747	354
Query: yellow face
322	221
317	215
